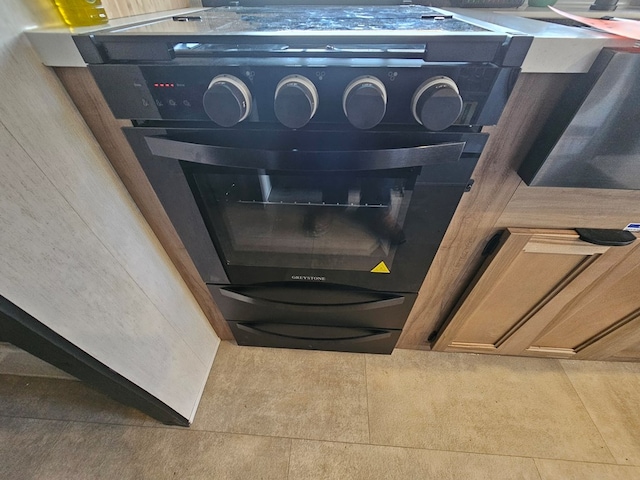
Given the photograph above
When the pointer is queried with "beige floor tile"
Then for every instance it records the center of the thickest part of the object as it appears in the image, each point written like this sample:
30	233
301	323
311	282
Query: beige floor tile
562	470
286	393
55	399
340	461
22	396
90	451
479	403
14	361
610	392
24	444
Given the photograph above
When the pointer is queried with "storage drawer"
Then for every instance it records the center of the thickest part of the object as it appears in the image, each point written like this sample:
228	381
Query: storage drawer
313	304
315	337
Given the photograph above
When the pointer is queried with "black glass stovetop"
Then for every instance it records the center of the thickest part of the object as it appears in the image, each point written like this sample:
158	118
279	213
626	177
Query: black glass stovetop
308	19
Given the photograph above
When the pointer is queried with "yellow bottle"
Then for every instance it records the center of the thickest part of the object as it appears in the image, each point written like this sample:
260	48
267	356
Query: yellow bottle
82	13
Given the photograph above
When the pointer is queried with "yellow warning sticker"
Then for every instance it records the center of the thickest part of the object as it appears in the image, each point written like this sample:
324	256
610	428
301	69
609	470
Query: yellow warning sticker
380	268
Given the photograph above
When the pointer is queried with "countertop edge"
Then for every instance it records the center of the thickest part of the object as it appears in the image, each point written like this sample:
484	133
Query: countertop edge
56	48
555	48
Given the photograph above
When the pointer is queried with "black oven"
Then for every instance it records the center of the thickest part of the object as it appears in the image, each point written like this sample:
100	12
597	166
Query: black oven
311	183
310	228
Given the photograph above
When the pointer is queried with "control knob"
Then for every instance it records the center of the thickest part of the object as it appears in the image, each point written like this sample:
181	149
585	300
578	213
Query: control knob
296	101
436	104
227	101
365	102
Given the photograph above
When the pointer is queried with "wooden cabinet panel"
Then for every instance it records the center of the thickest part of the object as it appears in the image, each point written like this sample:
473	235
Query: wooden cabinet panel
548	293
529	278
631	354
599	309
554	207
620	342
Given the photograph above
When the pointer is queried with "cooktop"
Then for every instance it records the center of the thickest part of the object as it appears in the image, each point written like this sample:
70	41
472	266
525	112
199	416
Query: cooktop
400	32
310	19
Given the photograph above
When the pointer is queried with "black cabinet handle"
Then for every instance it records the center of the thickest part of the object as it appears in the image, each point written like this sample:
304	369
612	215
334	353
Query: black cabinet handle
605	236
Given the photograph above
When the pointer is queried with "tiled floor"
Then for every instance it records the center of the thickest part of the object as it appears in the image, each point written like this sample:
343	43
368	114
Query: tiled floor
290	415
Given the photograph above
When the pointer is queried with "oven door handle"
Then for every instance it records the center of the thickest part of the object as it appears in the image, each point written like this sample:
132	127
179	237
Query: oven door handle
355	160
370	335
313	307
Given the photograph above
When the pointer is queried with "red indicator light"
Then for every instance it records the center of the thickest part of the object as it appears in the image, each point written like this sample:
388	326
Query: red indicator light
162	85
172	85
155	84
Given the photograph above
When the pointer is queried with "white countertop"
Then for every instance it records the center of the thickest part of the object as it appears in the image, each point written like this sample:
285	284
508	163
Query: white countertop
555	48
57	49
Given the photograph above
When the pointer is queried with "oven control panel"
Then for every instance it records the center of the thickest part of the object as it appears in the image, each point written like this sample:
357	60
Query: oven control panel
435	97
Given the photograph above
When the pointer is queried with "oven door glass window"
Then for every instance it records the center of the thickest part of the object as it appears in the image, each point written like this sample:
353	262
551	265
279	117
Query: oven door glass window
304	220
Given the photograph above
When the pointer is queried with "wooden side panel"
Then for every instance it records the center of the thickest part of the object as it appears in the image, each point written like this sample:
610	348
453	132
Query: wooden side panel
545	207
85	94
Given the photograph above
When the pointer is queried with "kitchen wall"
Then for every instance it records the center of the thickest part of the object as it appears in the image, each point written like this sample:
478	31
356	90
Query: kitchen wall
75	252
124	8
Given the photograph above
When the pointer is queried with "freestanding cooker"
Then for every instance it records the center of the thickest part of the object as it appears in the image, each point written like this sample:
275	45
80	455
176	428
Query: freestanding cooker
309	157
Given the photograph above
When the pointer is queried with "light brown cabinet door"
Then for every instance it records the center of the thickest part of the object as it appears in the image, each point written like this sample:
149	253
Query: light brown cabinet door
548	293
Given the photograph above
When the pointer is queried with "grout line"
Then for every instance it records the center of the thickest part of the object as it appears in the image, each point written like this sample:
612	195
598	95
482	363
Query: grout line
67	378
604	441
587	462
408	447
491	454
290	453
535	464
366	387
291	439
70	421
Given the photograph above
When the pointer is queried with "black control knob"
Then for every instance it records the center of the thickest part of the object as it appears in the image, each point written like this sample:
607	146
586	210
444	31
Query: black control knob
436	104
296	101
227	101
365	102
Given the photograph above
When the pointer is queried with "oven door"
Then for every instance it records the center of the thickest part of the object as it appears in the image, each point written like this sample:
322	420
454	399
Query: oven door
365	209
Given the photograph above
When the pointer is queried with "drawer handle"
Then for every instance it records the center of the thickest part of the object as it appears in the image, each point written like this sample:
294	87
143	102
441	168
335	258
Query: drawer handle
261	302
371	336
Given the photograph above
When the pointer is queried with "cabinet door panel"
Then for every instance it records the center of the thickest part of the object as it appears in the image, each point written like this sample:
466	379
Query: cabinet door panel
519	280
620	342
630	354
615	299
602	309
520	291
549	294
